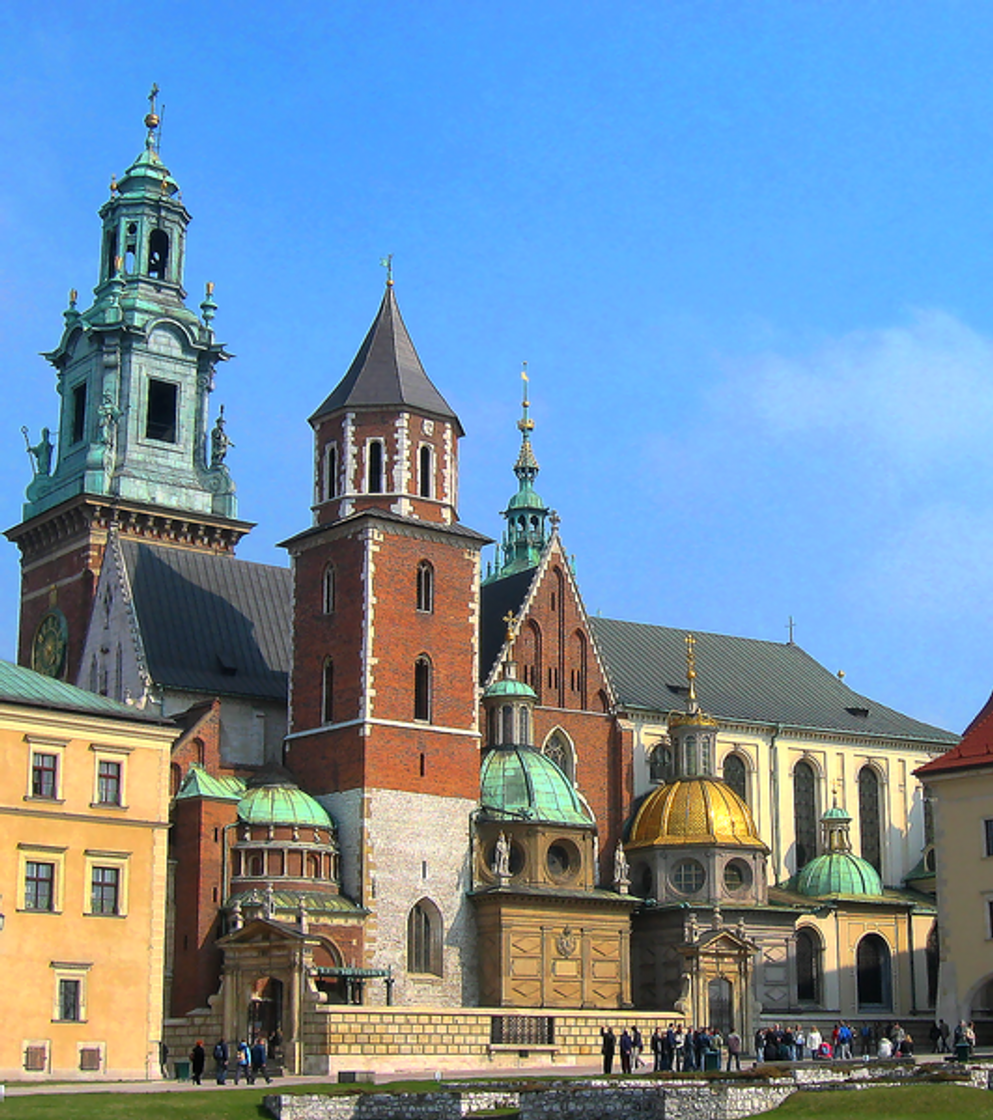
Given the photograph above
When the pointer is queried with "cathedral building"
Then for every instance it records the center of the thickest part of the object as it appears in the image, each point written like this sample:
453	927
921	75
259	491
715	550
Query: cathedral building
406	780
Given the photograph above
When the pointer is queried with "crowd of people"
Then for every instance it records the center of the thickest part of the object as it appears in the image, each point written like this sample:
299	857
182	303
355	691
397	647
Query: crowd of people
250	1061
682	1049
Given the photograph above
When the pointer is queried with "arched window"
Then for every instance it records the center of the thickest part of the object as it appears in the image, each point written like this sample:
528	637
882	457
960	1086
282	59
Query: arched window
660	761
327	692
507	715
874	973
426	472
374	472
577	670
525	724
158	253
328	595
331	470
736	775
175	778
422	688
804	813
200	752
425	586
932	957
869	818
424	938
689	756
559	749
808	966
530	655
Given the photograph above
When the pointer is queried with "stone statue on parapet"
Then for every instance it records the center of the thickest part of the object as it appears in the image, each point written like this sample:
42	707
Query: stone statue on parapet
42	452
219	441
621	879
501	864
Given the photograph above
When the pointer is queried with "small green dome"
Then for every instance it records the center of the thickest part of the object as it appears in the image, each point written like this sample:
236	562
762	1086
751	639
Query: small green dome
508	687
526	498
837	873
836	813
282	804
522	782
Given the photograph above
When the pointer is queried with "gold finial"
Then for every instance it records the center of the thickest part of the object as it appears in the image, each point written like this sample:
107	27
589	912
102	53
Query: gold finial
152	116
525	424
73	296
509	619
113	184
387	263
691	667
210	292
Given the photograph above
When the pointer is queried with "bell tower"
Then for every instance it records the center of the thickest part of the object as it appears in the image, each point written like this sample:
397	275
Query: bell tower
134	448
383	695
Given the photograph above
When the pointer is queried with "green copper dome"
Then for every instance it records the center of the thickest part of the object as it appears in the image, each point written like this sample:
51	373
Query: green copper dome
521	782
508	686
282	804
837	873
526	498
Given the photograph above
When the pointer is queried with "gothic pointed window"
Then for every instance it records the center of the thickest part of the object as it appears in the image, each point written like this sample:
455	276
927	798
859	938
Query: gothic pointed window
869	818
425	586
804	813
328	589
808	966
374	469
327	692
735	774
426	472
559	749
331	470
424	930
158	253
422	688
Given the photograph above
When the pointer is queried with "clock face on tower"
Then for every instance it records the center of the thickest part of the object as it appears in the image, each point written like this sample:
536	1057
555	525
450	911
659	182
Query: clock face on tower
51	639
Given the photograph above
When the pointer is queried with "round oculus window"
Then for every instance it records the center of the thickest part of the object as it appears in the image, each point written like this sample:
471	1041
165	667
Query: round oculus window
688	876
561	859
737	875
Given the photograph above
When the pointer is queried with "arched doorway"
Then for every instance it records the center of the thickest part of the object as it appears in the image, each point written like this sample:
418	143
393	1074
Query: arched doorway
720	1005
265	1014
874	974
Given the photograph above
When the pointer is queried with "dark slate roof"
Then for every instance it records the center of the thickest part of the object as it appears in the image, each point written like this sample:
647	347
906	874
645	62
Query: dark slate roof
455	529
210	623
744	679
24	686
387	371
497	598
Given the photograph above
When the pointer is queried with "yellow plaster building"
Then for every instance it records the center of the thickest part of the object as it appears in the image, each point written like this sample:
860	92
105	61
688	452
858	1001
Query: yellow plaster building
84	799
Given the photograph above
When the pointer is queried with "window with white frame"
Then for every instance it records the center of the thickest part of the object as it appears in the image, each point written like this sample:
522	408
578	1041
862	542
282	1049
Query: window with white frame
106	883
41	878
45	768
109	776
70	994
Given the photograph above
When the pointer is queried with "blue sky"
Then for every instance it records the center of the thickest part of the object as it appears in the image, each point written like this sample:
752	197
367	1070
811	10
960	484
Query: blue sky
744	248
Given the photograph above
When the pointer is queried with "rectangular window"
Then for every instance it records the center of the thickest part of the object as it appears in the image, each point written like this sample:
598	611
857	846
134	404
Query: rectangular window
69	1001
160	420
89	1058
105	893
108	782
79	412
44	775
36	1058
988	836
39	886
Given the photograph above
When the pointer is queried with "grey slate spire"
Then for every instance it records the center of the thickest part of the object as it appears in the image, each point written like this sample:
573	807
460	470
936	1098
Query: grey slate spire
387	371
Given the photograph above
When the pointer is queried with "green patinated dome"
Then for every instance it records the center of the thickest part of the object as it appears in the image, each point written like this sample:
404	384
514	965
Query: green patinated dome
523	783
526	498
507	686
837	873
282	804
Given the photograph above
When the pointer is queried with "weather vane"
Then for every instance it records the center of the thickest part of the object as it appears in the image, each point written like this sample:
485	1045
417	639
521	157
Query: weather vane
387	263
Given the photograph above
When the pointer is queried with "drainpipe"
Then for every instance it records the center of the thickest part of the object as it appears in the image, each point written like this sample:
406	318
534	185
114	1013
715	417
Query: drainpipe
913	968
777	853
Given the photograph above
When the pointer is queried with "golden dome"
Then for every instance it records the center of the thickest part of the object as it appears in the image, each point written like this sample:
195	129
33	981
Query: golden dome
694	811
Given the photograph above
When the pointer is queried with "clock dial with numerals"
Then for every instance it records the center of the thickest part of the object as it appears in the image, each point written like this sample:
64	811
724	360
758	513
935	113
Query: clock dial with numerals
51	640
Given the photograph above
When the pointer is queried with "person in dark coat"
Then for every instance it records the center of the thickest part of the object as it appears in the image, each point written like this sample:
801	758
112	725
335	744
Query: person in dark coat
626	1046
258	1061
198	1059
608	1044
221	1060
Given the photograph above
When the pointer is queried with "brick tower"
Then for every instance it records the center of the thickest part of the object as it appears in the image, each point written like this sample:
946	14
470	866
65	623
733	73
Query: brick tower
383	694
133	448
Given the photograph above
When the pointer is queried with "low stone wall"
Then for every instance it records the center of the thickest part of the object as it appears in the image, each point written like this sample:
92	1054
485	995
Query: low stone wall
596	1099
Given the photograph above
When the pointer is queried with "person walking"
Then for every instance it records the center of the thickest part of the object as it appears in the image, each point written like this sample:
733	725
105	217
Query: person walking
814	1041
164	1059
198	1059
608	1044
734	1049
945	1032
626	1047
221	1060
637	1044
243	1063
259	1060
657	1044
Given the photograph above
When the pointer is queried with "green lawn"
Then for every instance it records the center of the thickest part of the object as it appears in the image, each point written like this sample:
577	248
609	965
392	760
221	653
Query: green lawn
936	1102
